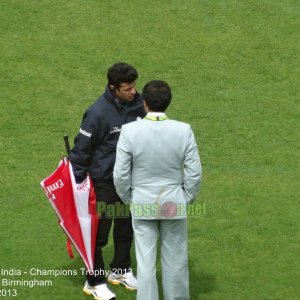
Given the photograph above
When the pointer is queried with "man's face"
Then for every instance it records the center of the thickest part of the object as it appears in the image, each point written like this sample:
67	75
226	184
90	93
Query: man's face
126	91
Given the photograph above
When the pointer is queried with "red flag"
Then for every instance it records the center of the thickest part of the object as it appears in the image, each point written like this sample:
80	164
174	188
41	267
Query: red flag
75	206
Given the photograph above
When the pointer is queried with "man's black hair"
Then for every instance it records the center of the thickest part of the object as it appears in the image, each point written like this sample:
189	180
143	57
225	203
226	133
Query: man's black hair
157	95
121	72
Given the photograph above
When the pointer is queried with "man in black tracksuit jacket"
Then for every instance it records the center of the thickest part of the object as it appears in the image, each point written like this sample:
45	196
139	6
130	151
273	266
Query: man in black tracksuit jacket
94	152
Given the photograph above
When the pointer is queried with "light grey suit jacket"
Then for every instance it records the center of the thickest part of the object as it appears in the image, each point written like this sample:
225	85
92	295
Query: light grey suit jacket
157	168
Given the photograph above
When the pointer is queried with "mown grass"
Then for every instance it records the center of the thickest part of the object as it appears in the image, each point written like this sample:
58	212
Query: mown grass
234	70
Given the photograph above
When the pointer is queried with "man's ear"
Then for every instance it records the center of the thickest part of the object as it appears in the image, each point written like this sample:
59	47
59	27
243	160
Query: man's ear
112	87
146	106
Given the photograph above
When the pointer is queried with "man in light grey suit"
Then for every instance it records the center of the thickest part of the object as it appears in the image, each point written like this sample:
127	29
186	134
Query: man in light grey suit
158	172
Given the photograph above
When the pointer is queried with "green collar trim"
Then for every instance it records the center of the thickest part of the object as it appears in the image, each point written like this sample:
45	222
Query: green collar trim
156	118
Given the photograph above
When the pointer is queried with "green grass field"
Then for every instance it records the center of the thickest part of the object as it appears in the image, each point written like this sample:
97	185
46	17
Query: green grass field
234	70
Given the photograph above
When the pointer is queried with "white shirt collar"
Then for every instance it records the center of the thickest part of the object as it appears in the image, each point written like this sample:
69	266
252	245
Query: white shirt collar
156	114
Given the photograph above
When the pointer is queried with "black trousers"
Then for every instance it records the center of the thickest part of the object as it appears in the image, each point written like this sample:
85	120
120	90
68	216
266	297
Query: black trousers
107	199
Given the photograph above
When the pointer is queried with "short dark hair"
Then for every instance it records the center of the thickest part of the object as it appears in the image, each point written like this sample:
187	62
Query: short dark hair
157	95
121	72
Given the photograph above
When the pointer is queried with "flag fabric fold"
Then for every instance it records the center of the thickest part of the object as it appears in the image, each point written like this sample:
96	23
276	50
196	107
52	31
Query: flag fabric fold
75	206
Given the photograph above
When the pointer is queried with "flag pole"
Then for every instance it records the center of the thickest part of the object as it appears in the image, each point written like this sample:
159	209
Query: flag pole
68	242
67	144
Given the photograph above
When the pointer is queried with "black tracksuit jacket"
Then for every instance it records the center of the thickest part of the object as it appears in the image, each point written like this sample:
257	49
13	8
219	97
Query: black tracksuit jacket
94	149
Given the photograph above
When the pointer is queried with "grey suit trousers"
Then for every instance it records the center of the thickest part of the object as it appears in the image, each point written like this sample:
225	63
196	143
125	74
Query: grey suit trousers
174	258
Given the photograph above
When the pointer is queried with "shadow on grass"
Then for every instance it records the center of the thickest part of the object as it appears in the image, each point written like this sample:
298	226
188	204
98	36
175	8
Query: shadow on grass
200	282
76	264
